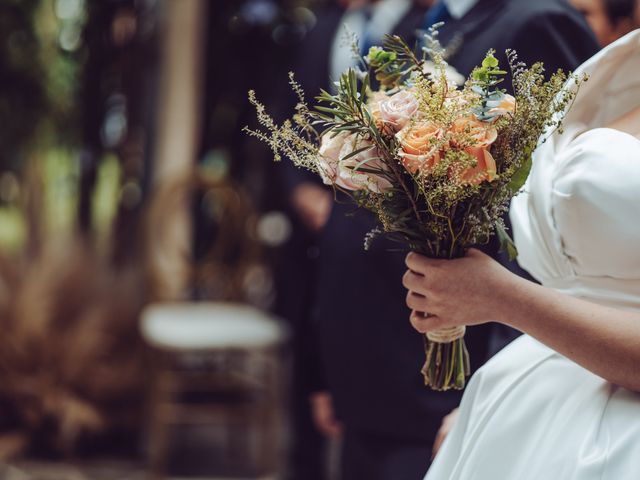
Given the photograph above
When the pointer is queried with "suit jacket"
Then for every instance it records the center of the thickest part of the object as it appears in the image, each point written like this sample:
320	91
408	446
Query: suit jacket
370	354
550	31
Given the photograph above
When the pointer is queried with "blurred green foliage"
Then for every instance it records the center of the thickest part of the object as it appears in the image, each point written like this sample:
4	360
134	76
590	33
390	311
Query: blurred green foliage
38	77
41	62
22	90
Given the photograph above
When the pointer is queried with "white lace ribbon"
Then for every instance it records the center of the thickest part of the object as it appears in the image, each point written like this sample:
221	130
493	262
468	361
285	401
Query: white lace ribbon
446	335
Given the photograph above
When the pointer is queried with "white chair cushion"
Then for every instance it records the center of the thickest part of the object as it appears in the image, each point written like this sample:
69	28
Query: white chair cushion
208	326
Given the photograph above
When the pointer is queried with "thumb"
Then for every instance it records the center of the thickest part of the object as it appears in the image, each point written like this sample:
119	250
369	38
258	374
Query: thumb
475	253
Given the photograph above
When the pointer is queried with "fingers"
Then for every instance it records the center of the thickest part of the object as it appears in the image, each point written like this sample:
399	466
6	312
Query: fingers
423	323
474	252
414	282
423	292
419	263
417	302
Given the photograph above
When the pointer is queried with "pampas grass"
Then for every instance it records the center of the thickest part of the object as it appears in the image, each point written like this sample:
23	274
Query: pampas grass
70	355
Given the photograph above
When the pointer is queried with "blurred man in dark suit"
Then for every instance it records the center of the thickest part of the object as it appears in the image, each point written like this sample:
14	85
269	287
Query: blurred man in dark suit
373	395
544	30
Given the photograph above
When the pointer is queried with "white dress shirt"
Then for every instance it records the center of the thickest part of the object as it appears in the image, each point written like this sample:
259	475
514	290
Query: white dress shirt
385	15
459	8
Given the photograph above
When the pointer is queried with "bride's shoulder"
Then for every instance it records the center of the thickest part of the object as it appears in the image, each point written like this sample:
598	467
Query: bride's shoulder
599	160
602	141
595	198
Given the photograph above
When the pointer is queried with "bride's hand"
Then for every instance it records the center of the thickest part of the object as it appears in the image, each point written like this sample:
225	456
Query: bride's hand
464	291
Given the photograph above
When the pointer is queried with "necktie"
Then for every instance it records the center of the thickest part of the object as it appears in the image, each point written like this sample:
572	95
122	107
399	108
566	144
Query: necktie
436	14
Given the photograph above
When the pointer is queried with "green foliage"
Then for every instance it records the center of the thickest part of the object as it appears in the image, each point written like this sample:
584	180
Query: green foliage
506	242
521	174
485	79
379	58
488	75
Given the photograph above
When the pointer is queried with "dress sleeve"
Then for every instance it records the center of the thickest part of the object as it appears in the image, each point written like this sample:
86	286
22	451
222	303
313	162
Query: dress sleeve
595	201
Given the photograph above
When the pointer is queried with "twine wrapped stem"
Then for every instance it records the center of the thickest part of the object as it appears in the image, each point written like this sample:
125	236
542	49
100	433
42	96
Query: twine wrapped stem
447	364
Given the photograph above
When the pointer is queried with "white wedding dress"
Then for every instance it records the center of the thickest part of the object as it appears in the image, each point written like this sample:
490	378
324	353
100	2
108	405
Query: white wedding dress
530	413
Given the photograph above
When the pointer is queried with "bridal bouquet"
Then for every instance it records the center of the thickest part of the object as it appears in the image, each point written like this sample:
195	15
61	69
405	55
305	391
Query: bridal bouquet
437	163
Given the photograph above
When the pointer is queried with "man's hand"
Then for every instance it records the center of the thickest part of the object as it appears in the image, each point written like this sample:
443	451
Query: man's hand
312	204
323	414
445	428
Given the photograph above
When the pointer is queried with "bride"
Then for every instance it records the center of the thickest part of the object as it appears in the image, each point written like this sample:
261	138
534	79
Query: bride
559	402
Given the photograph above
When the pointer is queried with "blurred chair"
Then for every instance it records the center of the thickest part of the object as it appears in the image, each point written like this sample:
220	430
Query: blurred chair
214	253
220	365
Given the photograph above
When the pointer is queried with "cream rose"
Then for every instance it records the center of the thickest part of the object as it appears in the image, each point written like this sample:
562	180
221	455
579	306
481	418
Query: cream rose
398	109
350	175
329	155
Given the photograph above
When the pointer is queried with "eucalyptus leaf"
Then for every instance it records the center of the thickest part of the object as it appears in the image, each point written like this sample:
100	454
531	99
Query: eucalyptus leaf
520	176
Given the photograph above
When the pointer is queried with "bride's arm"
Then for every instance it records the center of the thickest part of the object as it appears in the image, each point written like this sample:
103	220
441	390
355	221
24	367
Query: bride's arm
477	289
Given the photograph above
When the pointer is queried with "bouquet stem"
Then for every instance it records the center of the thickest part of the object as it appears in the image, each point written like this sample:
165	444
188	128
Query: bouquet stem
447	364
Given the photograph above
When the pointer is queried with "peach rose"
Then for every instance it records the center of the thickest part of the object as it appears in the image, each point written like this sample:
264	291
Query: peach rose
506	106
351	177
483	135
398	109
484	171
329	155
459	100
418	149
